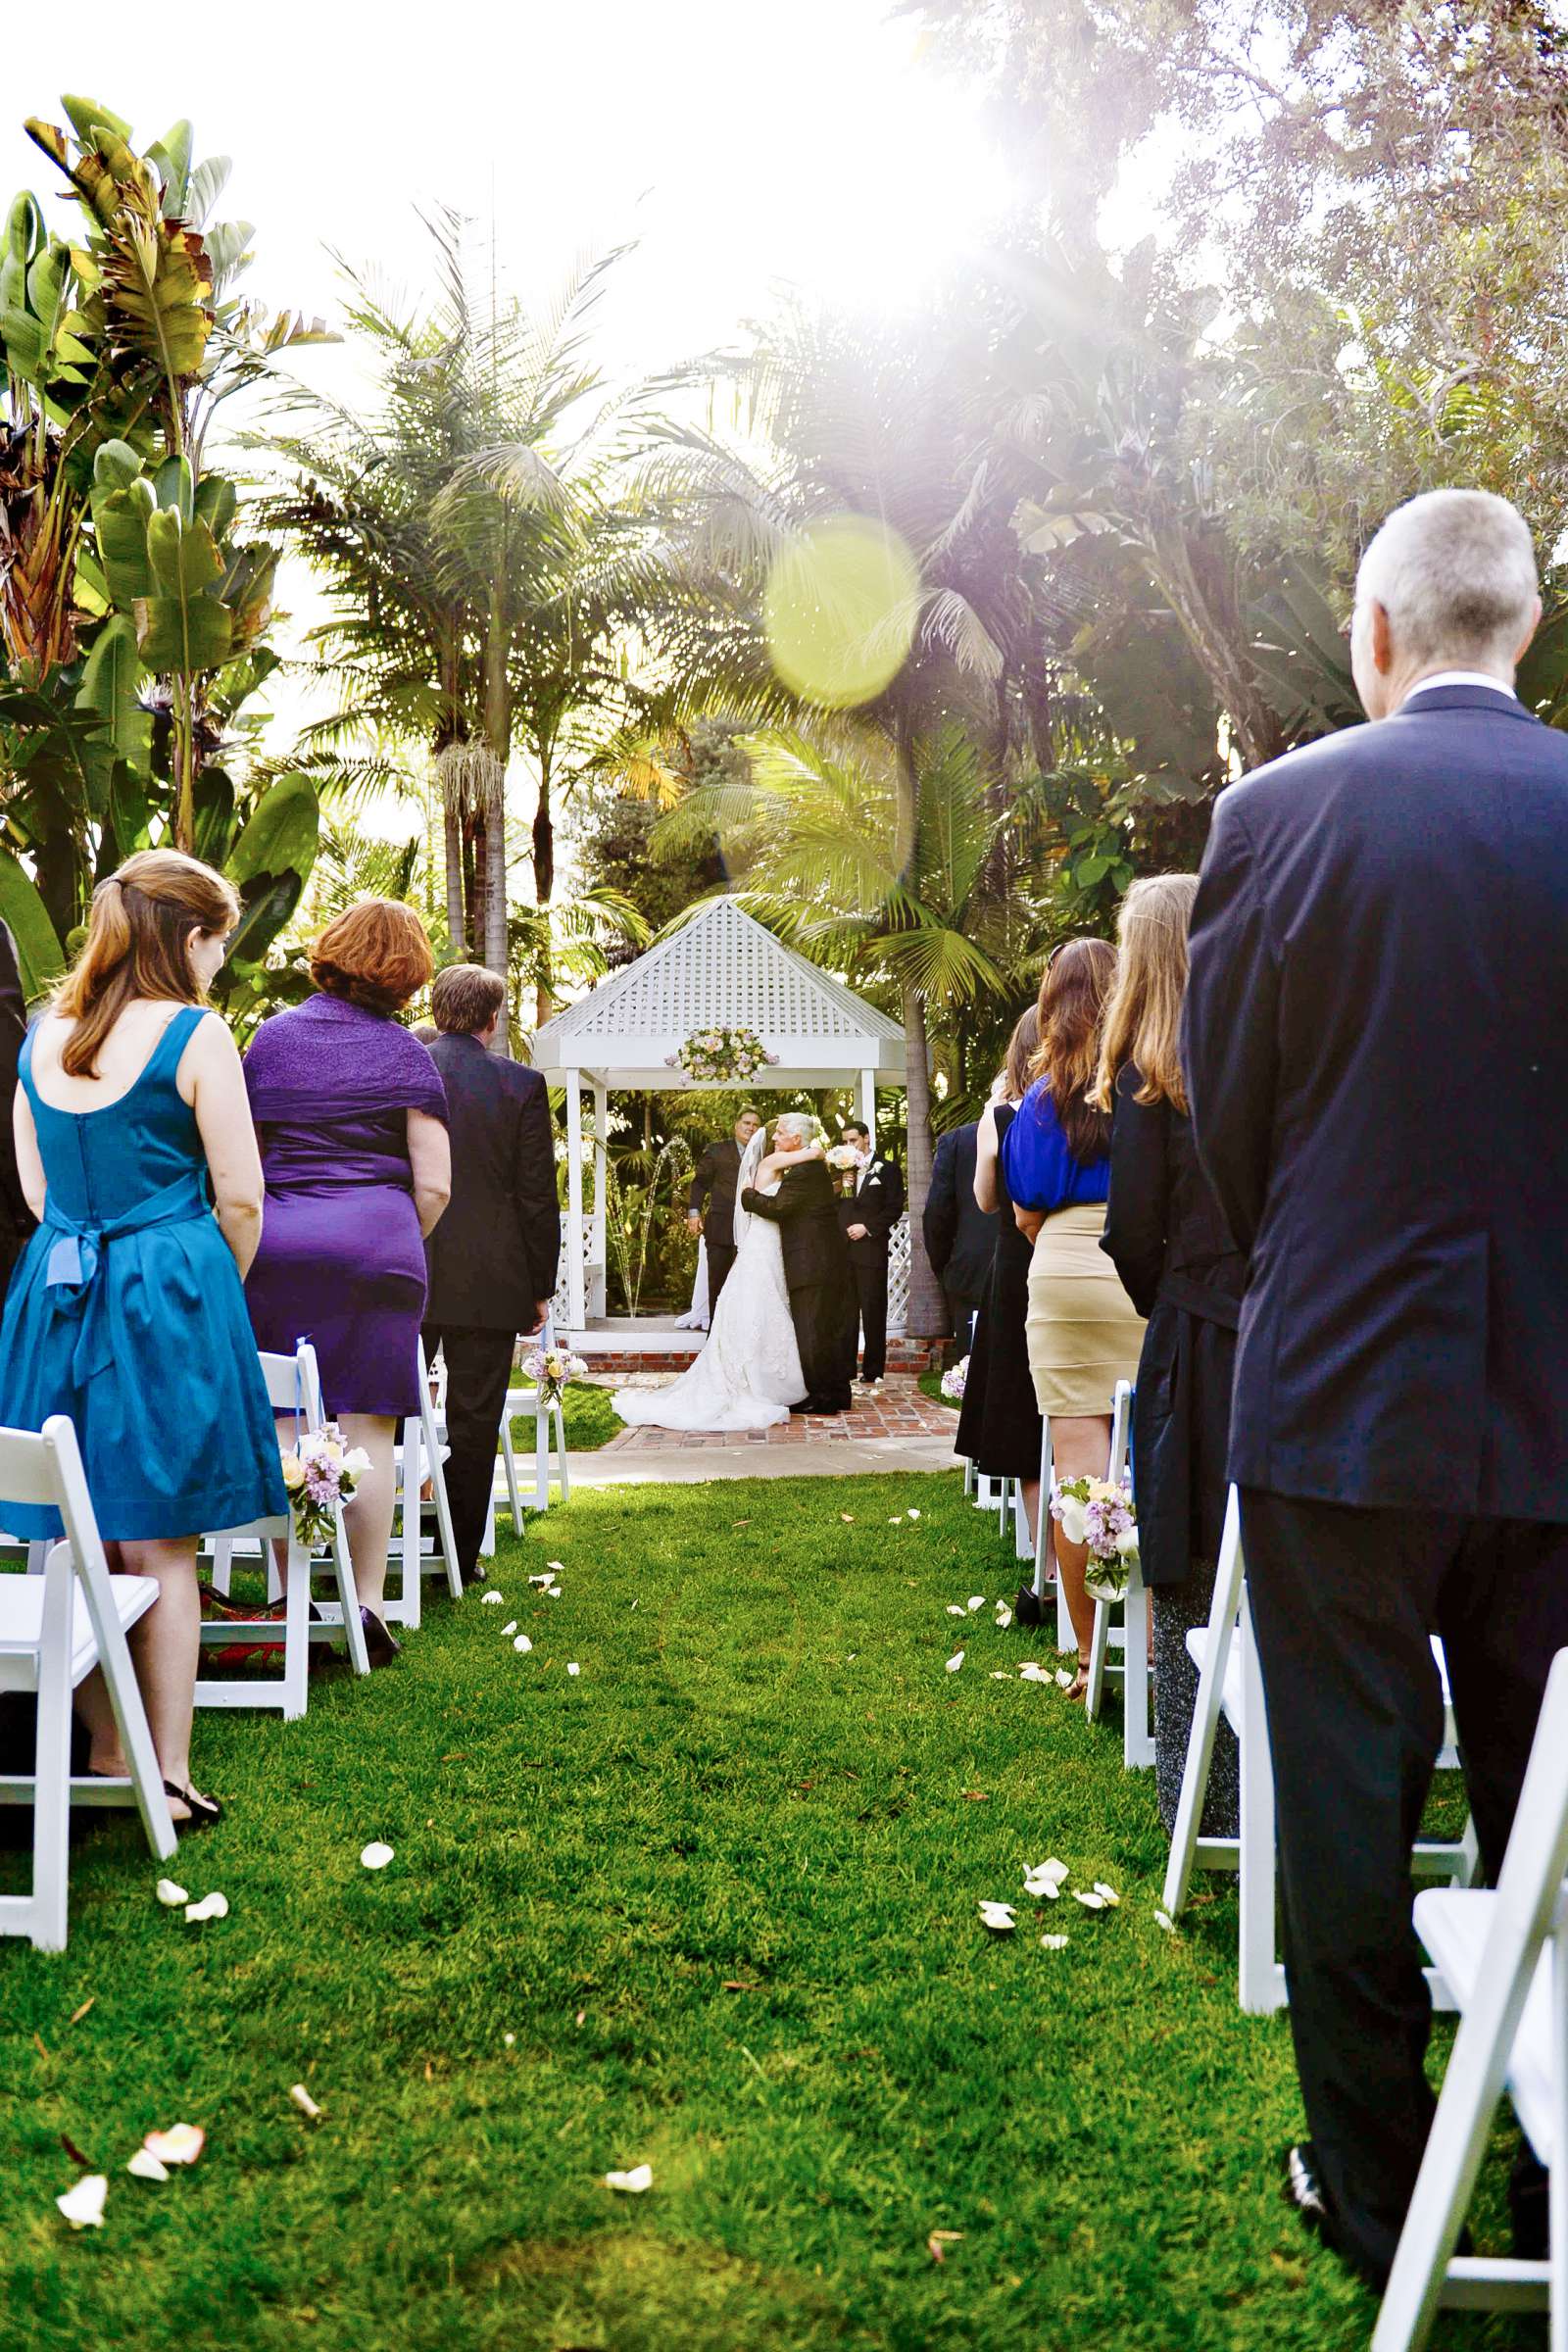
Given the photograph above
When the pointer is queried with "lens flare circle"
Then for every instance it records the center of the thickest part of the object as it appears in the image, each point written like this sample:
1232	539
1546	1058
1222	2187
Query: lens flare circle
840	611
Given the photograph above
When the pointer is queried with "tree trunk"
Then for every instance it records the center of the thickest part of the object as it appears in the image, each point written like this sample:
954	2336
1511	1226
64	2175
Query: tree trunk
928	1309
544	883
498	735
452	828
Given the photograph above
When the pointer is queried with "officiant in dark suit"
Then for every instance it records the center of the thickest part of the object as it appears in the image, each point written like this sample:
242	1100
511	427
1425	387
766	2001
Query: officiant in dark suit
713	1182
493	1257
817	1270
866	1218
1378	1065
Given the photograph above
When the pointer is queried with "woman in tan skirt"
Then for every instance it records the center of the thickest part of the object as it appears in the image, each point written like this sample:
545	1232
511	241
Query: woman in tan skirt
1082	1331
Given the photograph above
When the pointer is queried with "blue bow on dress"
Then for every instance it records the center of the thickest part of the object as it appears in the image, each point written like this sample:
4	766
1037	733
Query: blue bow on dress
77	1256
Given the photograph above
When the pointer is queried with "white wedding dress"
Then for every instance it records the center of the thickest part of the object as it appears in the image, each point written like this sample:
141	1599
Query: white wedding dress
749	1374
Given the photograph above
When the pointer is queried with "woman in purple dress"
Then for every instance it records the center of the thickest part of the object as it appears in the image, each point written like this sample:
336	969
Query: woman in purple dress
352	1117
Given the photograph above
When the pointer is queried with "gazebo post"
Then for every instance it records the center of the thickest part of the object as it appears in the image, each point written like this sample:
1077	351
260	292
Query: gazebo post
576	1313
598	1302
868	1102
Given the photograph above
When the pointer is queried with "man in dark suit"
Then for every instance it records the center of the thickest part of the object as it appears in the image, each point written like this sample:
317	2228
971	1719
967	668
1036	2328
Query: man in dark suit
492	1260
867	1215
960	1237
17	1220
816	1269
713	1182
1378	1062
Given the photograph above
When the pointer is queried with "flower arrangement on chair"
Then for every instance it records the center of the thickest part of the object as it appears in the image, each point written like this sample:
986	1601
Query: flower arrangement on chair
1093	1511
720	1056
552	1371
954	1380
320	1473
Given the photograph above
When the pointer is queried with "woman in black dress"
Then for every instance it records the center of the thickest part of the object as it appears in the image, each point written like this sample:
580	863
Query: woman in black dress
998	1426
1179	1267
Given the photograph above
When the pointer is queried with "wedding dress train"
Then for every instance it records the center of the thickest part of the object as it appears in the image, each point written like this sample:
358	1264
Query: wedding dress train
749	1374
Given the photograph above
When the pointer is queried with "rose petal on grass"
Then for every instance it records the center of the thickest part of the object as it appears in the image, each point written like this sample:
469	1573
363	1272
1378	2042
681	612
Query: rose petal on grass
898	1522
1090	1902
493	1600
848	1518
182	2144
1000	1918
84	2205
145	2166
1050	1873
522	1645
1163	1918
632	2183
1003	1616
574	1668
541	1579
171	1895
999	1673
511	2040
937	2244
914	1514
977	1600
1106	1894
553	1592
211	1906
509	1628
304	2102
1054	1944
1063	1680
956	1608
376	1855
955	1661
557	1567
1033	1672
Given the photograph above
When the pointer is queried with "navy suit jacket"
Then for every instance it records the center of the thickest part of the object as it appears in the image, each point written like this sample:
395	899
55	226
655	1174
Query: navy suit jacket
1376	1040
960	1237
493	1255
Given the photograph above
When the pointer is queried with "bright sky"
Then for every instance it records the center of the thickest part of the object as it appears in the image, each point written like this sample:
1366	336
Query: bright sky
741	143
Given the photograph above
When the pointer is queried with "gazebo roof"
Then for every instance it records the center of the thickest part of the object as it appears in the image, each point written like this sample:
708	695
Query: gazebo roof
722	970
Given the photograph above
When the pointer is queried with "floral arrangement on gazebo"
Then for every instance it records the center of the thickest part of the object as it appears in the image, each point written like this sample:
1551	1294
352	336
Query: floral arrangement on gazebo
720	1056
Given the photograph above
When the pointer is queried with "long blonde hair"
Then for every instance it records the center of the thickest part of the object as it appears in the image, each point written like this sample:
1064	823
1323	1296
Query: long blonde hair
138	945
1143	1020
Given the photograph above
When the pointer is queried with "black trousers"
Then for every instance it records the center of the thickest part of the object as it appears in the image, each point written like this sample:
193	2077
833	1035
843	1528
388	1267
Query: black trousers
721	1258
871	1283
478	1375
1344	1603
961	1309
824	1332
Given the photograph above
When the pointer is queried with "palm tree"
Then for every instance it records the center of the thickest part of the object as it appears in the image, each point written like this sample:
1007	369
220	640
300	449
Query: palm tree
882	427
460	526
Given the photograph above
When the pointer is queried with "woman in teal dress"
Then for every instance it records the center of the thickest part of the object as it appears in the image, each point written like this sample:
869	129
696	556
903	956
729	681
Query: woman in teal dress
127	1312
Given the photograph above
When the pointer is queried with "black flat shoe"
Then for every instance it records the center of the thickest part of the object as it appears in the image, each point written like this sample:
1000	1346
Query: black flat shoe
1026	1609
204	1810
379	1647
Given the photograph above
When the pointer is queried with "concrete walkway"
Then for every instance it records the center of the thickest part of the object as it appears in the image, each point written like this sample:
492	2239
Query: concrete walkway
680	1465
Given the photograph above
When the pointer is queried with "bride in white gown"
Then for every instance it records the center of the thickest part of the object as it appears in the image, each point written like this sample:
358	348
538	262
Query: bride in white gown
749	1374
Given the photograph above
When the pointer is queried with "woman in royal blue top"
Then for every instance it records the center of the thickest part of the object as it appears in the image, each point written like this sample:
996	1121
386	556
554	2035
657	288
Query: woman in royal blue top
1083	1334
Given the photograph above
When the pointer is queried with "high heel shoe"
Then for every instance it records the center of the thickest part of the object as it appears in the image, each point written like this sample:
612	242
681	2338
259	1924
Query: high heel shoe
204	1810
379	1647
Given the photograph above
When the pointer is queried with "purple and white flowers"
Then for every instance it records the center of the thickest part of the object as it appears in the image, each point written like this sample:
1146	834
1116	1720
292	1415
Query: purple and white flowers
955	1382
1093	1511
321	1472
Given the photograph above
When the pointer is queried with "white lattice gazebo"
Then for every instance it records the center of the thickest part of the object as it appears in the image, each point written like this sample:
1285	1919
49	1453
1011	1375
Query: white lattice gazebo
722	969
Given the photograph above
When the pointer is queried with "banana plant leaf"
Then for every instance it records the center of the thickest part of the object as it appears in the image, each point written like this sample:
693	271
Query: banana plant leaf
171	159
214	815
266	907
282	835
109	687
183	628
40	954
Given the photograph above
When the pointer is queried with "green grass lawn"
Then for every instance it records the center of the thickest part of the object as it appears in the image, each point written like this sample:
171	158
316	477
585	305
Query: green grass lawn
930	1385
710	1905
591	1421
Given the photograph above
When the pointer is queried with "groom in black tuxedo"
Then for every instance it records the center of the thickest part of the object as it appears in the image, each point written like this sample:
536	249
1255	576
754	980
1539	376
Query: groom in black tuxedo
1377	1057
867	1216
816	1269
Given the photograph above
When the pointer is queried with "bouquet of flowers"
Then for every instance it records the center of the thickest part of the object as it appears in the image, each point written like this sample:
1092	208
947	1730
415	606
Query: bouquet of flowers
719	1057
1092	1511
846	1163
321	1472
955	1382
552	1370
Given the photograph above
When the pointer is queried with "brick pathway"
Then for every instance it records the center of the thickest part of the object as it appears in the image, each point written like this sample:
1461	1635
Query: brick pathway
901	1411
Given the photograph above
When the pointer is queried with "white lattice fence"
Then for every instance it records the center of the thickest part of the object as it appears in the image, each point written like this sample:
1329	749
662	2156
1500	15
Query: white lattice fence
899	1278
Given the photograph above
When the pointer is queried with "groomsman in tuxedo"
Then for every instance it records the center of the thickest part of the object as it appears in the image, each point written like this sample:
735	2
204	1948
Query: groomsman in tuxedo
1377	1057
867	1216
714	1183
492	1260
960	1237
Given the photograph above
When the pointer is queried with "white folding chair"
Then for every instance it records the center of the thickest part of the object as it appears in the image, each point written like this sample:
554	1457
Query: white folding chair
1066	1639
421	1456
549	1432
293	1386
1131	1636
1505	1956
1231	1684
54	1630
